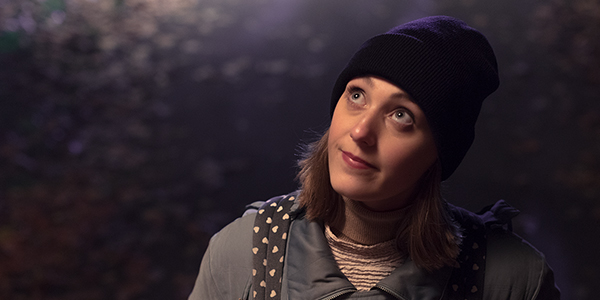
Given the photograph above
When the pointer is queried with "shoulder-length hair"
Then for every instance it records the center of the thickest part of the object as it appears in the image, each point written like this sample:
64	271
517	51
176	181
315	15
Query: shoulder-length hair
428	235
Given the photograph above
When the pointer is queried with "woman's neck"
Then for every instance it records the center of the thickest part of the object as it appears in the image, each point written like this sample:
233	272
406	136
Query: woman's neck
365	226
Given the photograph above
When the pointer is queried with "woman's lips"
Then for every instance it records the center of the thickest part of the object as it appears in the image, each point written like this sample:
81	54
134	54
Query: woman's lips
355	161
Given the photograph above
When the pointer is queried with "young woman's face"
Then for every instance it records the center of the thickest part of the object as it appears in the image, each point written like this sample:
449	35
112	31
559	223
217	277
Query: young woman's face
379	144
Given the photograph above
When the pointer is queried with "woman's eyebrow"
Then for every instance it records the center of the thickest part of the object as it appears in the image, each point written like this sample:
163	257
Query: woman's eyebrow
402	95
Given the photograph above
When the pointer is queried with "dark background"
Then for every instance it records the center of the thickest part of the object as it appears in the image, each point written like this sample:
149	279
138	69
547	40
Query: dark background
133	130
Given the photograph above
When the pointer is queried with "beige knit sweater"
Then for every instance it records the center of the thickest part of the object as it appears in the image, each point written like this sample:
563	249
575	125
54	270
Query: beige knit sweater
364	244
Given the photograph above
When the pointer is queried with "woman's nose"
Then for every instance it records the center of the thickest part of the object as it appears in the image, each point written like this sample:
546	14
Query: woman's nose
364	132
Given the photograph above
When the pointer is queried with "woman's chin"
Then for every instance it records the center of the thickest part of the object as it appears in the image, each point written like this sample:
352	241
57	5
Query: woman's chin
355	192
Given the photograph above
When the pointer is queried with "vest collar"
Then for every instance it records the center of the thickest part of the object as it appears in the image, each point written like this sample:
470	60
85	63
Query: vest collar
311	272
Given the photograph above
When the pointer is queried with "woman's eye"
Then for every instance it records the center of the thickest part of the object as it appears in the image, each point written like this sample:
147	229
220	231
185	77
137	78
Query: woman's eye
357	97
402	117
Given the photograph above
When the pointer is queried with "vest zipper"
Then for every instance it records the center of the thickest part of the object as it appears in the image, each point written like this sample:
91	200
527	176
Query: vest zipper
383	288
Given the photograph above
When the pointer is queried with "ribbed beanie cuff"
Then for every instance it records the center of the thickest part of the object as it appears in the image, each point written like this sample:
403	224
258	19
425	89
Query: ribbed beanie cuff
448	69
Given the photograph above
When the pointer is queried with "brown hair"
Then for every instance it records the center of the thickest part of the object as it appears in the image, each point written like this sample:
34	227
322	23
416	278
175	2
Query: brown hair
428	236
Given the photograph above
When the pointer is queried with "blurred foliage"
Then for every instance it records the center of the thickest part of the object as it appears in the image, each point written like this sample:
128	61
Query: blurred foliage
93	196
132	130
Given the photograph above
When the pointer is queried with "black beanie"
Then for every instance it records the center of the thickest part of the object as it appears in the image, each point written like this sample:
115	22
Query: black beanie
447	68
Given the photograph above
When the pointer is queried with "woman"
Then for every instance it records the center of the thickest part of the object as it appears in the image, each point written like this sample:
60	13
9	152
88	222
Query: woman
369	221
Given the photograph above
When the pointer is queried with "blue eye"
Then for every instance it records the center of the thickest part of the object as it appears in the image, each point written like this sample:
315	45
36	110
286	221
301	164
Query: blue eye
402	117
357	97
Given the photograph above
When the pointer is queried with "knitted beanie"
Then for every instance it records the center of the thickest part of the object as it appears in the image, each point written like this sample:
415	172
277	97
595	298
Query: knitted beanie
448	69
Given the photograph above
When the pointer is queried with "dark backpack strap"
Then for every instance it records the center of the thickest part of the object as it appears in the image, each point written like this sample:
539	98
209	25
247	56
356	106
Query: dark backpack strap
268	246
467	280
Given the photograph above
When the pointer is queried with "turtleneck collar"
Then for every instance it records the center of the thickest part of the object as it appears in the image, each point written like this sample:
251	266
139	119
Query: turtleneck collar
368	227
